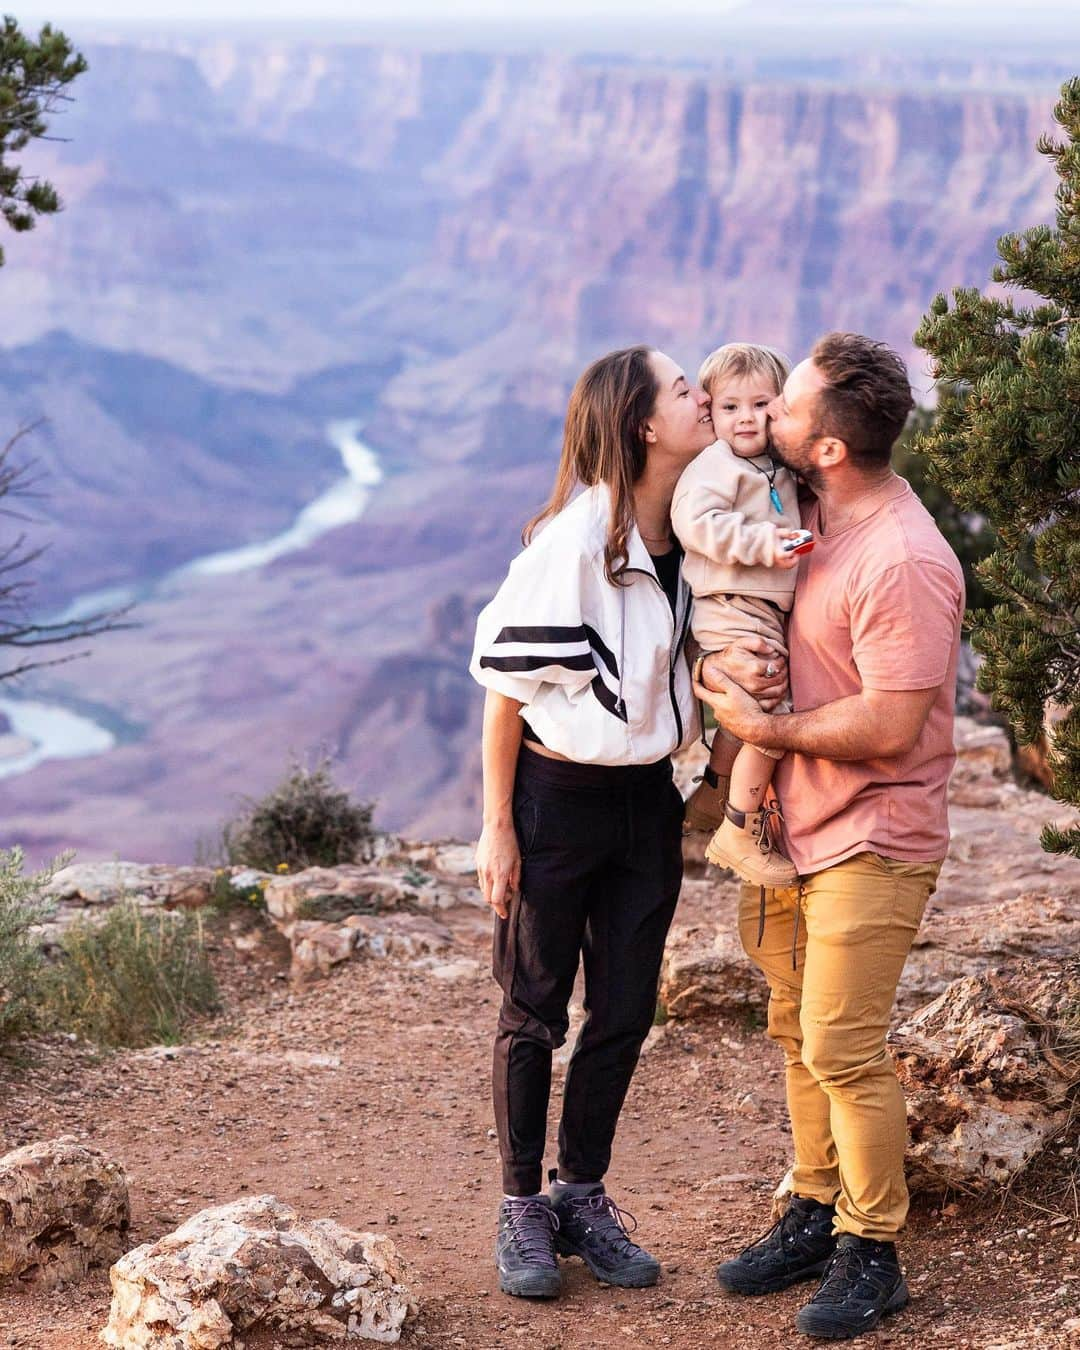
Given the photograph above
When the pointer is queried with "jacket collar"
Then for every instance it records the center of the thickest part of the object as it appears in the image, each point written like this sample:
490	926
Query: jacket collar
596	501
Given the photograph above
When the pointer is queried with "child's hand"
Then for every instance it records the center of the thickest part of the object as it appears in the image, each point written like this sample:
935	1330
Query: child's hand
783	560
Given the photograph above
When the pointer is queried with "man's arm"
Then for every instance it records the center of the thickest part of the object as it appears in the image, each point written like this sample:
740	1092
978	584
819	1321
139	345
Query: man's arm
873	724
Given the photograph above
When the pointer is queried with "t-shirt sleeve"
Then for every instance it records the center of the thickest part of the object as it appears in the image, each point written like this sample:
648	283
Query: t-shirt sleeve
905	624
533	631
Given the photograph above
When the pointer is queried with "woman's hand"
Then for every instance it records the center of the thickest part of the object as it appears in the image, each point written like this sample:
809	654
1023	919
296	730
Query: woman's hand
498	865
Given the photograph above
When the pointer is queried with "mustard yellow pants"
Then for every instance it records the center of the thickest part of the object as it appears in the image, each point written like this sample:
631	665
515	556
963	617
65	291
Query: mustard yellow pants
830	1014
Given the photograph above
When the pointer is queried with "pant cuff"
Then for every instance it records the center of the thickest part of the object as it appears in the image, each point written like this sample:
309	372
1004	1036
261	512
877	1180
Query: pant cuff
576	1178
523	1181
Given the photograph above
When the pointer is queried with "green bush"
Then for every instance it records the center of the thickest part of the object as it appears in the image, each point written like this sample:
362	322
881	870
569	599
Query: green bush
306	821
21	906
130	978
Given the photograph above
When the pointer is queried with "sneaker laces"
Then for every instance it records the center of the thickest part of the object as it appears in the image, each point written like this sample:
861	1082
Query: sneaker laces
850	1267
608	1221
787	1226
531	1226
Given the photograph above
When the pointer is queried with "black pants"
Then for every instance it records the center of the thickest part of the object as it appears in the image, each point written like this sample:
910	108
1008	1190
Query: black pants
601	870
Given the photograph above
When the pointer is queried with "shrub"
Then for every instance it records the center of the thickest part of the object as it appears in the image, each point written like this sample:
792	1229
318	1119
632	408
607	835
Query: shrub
21	907
1004	446
131	978
306	821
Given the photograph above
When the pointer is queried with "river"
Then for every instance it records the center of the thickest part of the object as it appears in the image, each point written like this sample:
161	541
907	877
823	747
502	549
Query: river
55	731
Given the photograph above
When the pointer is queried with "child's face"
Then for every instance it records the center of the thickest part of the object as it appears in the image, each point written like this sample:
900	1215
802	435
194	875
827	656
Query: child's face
739	413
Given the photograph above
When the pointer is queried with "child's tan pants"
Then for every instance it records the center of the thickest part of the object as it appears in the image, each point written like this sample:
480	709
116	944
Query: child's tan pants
721	619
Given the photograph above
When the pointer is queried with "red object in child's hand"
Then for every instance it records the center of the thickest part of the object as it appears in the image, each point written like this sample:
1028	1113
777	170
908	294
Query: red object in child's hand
802	543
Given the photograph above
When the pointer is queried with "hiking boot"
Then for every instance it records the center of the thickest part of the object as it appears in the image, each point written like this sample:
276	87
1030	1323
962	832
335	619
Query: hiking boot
525	1248
797	1247
862	1284
705	805
744	844
592	1227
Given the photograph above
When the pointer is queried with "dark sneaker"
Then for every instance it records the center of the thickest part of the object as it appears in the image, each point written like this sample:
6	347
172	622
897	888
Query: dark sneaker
525	1248
862	1284
798	1246
593	1227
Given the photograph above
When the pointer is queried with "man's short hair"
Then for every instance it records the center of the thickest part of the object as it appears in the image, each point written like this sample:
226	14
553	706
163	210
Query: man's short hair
866	397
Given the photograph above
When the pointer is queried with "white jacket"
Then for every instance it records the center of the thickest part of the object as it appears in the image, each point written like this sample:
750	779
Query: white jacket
601	669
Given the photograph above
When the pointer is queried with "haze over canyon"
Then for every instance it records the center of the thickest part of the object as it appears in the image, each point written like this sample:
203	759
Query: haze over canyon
264	240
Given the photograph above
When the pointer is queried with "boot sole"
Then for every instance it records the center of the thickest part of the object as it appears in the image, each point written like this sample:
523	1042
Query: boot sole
750	1287
721	859
817	1322
537	1285
643	1277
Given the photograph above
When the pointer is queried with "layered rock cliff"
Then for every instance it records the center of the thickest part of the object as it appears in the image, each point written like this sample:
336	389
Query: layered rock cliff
483	224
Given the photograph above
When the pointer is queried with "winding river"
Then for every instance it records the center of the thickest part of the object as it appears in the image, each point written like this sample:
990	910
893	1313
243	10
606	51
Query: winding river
42	731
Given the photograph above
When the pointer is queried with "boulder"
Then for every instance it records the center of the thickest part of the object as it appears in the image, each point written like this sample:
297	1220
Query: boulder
149	884
706	972
317	946
396	881
951	944
257	1263
63	1211
989	1070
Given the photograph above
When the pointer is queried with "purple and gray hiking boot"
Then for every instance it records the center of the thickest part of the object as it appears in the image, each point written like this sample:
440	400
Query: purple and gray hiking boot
525	1248
593	1227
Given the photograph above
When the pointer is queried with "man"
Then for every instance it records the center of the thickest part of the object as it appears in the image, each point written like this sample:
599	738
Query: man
873	642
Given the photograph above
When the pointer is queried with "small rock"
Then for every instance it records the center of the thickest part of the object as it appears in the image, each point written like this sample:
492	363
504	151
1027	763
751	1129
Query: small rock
64	1211
256	1263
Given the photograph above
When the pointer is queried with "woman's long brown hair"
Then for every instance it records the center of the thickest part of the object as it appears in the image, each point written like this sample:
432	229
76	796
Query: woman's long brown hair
604	442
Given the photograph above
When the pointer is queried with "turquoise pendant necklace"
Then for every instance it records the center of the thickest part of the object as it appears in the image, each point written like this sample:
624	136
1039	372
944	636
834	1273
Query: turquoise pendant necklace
770	474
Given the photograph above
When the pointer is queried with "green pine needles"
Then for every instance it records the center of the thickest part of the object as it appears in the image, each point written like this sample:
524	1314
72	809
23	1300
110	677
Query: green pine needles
33	77
1006	447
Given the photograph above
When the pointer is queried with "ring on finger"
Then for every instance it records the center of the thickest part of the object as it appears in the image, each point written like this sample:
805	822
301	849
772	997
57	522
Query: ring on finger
770	669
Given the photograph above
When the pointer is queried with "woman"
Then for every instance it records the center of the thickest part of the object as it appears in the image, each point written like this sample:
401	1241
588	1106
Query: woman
588	695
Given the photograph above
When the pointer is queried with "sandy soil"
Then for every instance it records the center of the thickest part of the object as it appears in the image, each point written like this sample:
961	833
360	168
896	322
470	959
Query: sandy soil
365	1098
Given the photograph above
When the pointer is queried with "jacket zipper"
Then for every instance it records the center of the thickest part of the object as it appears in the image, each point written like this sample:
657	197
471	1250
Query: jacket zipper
677	639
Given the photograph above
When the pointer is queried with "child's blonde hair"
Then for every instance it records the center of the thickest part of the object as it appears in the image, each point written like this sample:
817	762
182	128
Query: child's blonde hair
737	360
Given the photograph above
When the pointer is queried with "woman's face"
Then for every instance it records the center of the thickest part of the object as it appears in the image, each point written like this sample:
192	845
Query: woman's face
679	425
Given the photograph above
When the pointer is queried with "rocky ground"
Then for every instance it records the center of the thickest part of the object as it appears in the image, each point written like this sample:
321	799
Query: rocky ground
363	1096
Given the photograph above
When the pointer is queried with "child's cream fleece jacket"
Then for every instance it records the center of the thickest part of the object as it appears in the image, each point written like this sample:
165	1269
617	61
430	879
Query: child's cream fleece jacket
725	520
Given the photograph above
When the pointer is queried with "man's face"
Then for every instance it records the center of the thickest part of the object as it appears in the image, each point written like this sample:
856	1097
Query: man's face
793	420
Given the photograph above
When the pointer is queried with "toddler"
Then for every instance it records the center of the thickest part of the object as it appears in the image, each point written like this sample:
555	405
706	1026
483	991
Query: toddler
733	510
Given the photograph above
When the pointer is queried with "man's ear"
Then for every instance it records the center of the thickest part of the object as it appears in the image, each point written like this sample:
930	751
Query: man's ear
830	452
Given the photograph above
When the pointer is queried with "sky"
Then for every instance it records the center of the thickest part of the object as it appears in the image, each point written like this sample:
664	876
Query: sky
861	13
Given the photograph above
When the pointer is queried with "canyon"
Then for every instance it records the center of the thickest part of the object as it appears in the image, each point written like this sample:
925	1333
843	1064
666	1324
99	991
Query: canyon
263	236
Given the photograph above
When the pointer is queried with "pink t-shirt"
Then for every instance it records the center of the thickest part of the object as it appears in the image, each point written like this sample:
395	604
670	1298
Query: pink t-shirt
878	605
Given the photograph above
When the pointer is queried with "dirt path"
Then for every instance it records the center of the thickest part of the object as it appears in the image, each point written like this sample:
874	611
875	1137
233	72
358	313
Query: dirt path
366	1099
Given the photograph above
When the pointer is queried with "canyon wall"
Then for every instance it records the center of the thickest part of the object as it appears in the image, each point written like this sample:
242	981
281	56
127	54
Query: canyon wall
438	242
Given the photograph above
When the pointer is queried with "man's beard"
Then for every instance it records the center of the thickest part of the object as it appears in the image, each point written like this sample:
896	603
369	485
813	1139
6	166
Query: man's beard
798	461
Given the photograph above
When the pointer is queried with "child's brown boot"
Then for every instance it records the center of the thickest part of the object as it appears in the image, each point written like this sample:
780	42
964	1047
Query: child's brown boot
705	805
742	843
